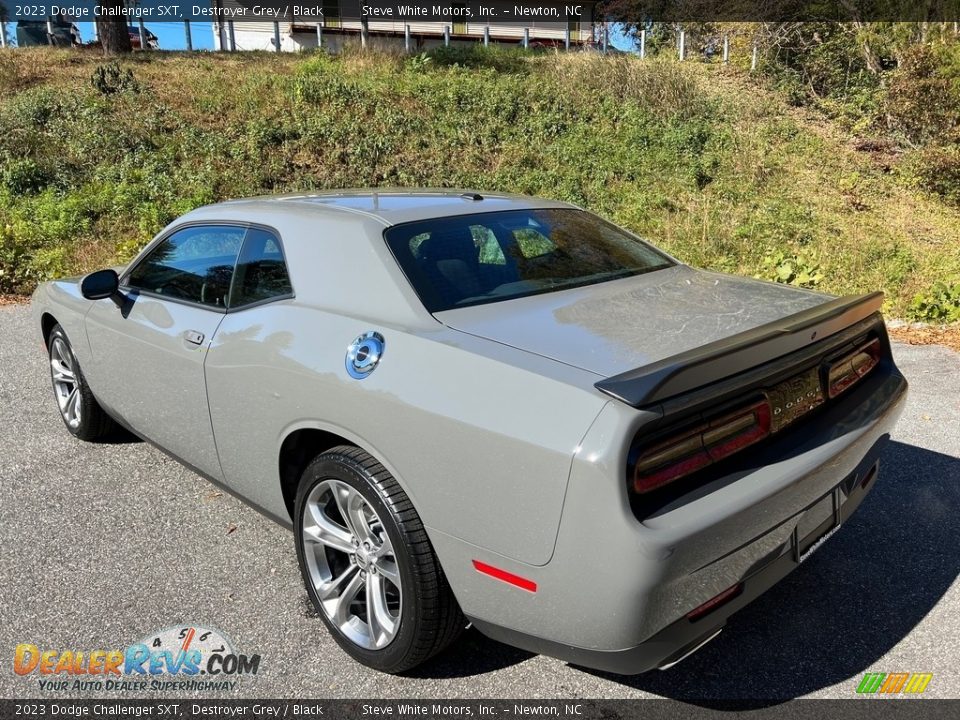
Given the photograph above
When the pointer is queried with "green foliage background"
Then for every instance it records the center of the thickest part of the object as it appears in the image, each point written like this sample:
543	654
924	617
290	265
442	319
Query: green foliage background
712	164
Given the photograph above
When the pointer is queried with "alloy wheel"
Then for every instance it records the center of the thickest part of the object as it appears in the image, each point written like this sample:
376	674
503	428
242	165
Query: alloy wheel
352	564
65	383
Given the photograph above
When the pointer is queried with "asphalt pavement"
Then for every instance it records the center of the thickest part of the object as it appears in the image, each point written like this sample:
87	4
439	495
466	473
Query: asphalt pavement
102	544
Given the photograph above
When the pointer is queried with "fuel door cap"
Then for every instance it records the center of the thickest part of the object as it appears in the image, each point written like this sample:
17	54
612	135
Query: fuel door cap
364	354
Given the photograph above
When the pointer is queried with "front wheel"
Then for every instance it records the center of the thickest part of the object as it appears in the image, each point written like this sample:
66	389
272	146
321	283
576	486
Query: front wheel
368	565
80	411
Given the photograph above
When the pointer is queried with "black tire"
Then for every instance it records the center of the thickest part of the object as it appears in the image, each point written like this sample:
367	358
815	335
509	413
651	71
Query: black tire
94	423
429	616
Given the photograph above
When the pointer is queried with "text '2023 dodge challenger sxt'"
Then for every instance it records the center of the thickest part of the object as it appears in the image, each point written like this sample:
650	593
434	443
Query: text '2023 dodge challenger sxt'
487	408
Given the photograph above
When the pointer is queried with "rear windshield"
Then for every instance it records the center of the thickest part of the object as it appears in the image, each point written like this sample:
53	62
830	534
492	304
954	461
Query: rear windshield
474	259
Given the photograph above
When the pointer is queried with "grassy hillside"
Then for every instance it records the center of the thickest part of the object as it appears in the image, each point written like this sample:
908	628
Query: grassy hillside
715	169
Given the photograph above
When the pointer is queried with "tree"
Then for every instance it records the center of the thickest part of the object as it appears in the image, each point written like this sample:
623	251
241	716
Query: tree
113	34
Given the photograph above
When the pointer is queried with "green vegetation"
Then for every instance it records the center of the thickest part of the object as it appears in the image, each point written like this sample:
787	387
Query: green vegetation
941	304
712	166
800	269
894	79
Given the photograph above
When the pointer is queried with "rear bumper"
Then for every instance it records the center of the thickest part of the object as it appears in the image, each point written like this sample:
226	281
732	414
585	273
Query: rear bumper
683	637
617	591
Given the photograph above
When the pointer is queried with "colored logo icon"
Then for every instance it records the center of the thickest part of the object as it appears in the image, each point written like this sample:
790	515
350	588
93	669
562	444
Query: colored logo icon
894	683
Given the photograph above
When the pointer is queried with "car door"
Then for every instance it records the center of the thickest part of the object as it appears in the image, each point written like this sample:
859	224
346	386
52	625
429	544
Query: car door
149	354
253	384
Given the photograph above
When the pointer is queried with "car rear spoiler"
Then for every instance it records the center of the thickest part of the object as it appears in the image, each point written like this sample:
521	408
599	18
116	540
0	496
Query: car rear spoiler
720	359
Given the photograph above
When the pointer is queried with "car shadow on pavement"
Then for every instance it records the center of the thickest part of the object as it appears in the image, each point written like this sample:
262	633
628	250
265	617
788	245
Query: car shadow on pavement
849	605
472	654
118	436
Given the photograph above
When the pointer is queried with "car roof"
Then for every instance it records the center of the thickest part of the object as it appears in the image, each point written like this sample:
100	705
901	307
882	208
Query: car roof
326	275
388	205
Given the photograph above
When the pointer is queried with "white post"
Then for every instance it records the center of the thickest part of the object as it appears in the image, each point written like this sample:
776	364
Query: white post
187	34
446	36
566	38
364	27
143	34
406	38
606	36
276	36
726	49
231	36
486	36
319	35
643	44
50	32
683	38
526	37
3	34
753	60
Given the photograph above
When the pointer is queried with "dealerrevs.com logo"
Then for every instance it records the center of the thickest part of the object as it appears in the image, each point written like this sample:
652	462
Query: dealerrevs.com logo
184	657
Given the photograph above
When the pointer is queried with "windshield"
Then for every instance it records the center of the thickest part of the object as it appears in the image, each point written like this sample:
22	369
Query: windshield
474	259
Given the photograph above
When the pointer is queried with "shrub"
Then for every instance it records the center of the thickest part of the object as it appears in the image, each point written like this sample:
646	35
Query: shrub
822	64
800	268
937	170
9	73
923	95
660	87
939	304
35	239
419	63
31	109
25	176
110	79
503	60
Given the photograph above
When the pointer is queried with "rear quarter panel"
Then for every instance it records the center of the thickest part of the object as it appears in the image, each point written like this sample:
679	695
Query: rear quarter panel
480	437
636	577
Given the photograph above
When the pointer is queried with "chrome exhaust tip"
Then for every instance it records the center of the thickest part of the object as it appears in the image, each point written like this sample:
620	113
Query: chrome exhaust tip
684	654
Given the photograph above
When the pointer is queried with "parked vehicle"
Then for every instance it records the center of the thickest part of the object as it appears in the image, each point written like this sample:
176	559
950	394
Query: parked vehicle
60	32
133	31
487	407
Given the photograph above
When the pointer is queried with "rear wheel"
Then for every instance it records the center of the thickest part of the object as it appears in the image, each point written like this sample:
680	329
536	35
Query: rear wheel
368	566
79	410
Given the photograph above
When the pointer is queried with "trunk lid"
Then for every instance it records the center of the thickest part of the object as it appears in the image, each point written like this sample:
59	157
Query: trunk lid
615	327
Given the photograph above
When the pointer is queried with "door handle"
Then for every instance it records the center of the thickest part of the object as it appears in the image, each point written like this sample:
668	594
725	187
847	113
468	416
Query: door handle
192	336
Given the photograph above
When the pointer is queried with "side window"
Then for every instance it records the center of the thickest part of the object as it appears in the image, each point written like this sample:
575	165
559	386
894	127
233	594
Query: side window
261	271
194	264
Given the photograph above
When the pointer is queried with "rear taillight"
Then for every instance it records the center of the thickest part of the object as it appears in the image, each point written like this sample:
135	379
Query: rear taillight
706	444
692	449
845	372
713	603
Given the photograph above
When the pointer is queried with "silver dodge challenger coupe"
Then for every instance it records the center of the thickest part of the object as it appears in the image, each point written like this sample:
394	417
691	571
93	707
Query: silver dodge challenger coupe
488	409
